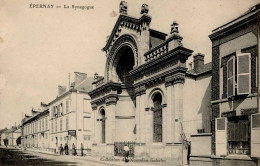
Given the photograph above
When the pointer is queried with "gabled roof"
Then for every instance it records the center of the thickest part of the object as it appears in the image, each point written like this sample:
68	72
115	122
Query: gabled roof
11	130
84	87
129	19
3	130
36	116
248	16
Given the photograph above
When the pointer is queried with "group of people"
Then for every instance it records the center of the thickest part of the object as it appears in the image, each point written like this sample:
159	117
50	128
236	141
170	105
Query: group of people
66	149
62	149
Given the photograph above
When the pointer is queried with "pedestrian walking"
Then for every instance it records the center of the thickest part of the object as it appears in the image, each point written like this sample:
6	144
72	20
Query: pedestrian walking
126	150
74	152
82	149
66	148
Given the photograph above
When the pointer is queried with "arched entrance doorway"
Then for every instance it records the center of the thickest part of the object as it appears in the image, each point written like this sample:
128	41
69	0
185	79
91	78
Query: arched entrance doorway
123	63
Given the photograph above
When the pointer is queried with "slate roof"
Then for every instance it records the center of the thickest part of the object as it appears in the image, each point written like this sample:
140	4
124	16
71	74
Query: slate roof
207	68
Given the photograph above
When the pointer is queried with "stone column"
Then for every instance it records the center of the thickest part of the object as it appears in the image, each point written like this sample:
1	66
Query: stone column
137	117
165	123
143	130
110	121
178	81
149	119
94	122
169	113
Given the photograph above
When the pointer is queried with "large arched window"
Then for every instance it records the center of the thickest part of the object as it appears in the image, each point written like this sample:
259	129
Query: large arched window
124	63
103	126
157	117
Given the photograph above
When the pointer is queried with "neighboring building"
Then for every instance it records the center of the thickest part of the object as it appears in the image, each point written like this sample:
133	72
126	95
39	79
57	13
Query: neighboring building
10	136
35	129
147	98
70	114
1	138
235	92
14	135
4	137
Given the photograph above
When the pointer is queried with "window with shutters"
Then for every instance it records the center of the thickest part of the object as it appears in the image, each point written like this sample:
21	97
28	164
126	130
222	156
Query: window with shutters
42	124
58	110
231	77
255	135
239	135
256	121
237	76
67	123
56	125
67	106
157	118
53	111
52	126
46	123
61	108
60	124
243	73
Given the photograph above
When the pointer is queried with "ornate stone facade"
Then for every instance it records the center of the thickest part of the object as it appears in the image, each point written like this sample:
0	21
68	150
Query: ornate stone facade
142	94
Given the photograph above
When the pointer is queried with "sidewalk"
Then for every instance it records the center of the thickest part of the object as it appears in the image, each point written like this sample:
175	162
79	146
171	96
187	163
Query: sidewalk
113	161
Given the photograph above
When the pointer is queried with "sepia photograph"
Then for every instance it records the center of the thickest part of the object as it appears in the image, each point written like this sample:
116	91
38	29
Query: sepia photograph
138	83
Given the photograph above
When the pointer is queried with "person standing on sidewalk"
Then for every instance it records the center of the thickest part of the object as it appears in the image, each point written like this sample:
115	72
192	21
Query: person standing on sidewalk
61	149
82	149
66	148
126	150
74	152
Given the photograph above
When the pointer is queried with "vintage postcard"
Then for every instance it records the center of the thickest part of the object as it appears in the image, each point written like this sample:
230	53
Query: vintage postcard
95	82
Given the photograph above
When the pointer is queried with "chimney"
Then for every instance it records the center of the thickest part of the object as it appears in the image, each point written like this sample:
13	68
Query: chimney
79	77
61	89
198	61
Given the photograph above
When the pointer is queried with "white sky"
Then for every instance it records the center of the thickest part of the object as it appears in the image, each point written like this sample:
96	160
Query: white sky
39	47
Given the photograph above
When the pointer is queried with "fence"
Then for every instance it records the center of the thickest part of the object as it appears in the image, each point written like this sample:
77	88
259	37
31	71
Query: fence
119	148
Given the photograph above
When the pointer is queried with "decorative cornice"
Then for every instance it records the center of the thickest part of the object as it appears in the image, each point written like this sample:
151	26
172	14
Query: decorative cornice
108	99
162	76
140	90
175	79
127	21
112	100
106	87
125	117
177	53
94	106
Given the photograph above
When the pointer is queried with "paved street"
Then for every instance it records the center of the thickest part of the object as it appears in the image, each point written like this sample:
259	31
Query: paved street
12	157
17	157
28	158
